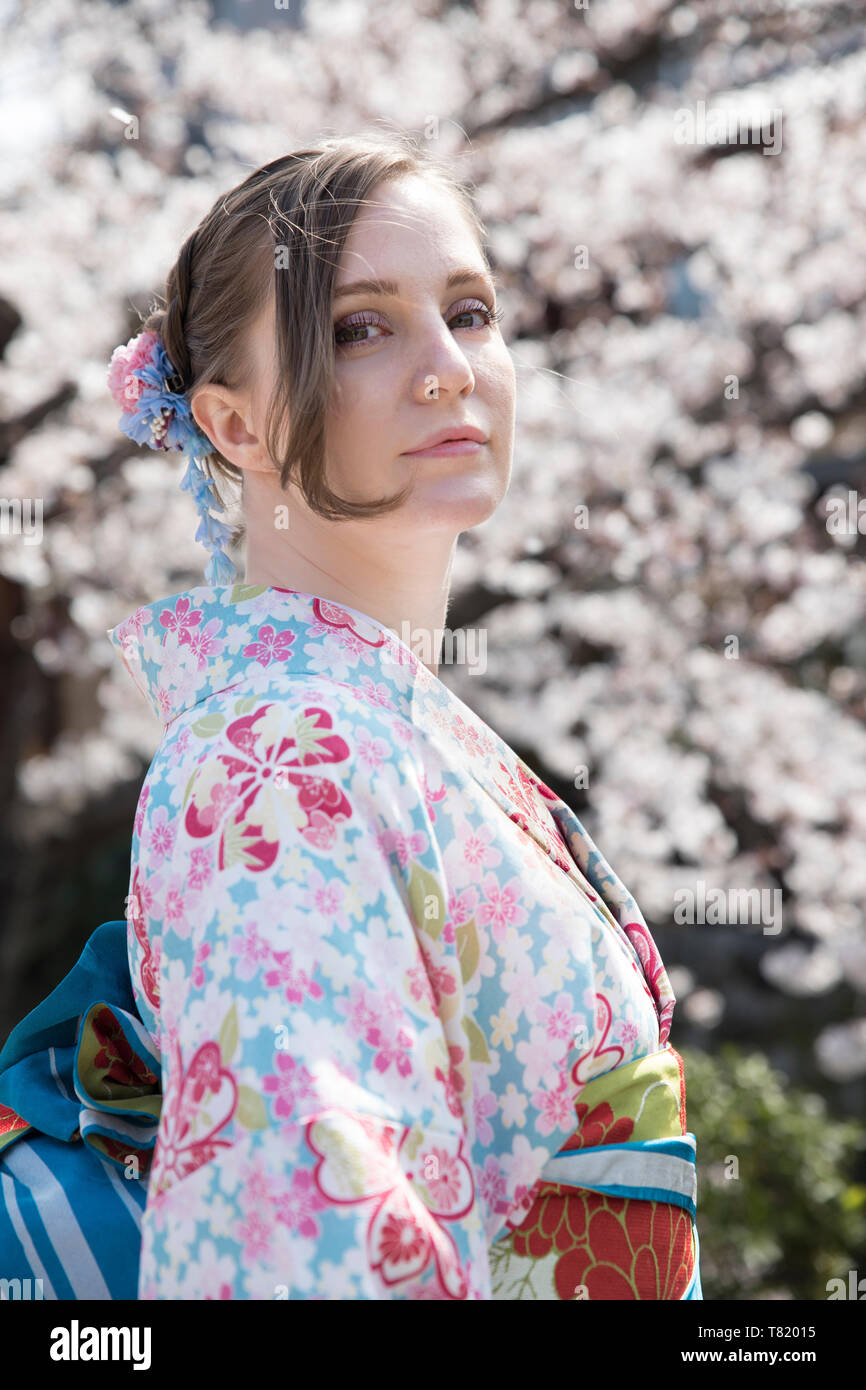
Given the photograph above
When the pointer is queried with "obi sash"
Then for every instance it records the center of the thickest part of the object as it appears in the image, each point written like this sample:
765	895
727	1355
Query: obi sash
80	1099
645	1097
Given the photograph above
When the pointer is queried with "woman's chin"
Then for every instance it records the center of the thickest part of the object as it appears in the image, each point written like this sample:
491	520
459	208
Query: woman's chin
460	502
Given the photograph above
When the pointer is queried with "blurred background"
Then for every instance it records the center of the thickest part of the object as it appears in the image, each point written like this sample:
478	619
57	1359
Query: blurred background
673	592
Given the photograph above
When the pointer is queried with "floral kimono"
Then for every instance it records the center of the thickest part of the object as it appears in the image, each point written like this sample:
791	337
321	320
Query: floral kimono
399	1030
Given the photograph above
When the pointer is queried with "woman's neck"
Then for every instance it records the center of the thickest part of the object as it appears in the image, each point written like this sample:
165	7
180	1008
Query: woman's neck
399	580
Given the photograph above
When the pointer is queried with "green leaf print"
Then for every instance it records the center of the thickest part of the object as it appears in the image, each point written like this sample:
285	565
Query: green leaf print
427	901
309	735
239	842
241	592
209	725
468	948
477	1042
252	1111
229	1035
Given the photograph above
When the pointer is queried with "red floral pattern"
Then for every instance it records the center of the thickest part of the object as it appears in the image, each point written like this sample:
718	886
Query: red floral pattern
519	791
116	1058
9	1121
200	1102
254	767
148	963
407	1232
611	1247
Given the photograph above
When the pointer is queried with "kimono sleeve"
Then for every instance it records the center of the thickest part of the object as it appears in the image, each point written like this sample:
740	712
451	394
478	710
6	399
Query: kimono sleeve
312	1143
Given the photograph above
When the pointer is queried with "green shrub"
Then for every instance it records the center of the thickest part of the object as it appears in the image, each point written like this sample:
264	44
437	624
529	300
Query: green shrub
788	1217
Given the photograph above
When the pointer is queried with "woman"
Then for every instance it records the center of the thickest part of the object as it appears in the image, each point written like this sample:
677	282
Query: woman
409	1029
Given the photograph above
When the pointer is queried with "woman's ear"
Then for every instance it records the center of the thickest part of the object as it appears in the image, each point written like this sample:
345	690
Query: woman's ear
225	415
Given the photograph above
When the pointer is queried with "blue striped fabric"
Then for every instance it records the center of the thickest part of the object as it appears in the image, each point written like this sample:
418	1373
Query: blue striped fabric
70	1213
651	1170
69	1219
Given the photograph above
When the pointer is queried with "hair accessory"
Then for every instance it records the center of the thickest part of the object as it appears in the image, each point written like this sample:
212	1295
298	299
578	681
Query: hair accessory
156	412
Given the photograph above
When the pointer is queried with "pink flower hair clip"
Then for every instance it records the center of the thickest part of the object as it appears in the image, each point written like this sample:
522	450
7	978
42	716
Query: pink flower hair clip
156	412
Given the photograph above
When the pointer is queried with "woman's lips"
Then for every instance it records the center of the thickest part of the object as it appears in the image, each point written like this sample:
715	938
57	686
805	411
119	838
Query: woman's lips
450	446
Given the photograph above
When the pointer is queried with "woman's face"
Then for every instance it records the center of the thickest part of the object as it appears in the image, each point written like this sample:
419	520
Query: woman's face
416	360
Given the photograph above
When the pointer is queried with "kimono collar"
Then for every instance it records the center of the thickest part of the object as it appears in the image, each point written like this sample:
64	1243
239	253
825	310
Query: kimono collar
183	649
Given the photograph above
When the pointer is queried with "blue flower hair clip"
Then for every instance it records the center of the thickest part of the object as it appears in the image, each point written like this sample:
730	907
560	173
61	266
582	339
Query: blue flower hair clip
140	378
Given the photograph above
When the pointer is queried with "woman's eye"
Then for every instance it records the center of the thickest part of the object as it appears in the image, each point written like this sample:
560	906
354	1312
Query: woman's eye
358	323
476	306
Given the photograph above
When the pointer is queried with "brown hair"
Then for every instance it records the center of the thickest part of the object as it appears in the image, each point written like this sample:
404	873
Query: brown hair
283	230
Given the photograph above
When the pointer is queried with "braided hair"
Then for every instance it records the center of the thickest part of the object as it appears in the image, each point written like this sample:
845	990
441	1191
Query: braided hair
172	327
